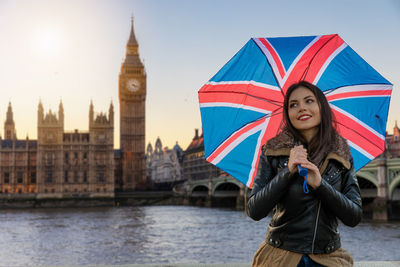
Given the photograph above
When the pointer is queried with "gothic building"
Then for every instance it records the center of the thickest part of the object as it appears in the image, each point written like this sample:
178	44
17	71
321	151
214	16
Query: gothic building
164	165
392	144
195	167
62	164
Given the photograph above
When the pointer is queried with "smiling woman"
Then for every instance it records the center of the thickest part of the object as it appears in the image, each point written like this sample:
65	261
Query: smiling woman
47	42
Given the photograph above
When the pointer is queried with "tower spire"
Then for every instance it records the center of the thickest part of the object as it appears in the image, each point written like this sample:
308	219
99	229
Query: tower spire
132	39
9	125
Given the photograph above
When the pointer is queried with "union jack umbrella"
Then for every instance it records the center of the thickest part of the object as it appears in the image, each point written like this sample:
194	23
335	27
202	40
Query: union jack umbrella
241	106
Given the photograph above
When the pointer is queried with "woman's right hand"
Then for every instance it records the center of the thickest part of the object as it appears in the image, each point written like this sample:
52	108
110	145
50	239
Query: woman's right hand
298	155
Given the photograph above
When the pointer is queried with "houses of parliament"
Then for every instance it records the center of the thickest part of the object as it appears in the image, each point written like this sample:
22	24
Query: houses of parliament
61	164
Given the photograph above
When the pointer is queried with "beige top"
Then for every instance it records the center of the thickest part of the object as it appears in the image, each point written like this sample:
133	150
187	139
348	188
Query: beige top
267	255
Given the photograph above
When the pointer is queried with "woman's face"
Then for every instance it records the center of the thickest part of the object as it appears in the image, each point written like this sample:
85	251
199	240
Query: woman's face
304	112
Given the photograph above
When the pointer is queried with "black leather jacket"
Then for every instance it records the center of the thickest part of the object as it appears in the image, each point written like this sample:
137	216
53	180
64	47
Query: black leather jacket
305	223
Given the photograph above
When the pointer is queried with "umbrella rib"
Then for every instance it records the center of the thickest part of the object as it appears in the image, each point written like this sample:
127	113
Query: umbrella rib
334	89
359	134
312	59
273	102
269	115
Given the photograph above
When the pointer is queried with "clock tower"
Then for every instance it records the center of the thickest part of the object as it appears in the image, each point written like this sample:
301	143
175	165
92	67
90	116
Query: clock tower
132	98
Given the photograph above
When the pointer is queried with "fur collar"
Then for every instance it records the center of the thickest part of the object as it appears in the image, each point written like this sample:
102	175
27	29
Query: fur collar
281	145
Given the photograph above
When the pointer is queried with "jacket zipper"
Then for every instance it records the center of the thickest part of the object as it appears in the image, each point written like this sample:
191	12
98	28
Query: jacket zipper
315	229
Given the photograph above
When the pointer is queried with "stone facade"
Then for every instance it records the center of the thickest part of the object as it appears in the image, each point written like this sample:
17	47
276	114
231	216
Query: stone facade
393	143
164	165
195	167
17	161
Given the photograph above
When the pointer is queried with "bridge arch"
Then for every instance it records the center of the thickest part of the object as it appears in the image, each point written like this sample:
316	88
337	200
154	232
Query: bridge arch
368	187
393	186
226	185
368	177
199	190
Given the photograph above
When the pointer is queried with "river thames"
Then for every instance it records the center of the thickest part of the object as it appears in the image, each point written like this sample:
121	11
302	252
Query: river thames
158	234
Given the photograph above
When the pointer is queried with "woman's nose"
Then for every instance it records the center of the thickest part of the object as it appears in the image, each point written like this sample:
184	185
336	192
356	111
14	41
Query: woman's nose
301	107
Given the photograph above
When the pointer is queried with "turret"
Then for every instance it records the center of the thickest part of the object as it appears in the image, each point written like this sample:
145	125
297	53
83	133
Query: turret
9	125
40	113
91	113
111	114
61	114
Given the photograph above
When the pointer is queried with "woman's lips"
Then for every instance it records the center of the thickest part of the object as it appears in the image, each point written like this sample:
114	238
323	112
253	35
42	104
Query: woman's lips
304	117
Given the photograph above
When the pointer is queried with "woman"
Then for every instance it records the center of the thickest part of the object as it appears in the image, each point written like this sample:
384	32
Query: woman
303	228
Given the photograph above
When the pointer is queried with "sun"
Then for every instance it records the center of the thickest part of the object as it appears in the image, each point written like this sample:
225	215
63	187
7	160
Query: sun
47	42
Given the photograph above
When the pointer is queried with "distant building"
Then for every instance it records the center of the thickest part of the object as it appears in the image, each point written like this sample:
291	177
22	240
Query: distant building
195	167
393	143
164	166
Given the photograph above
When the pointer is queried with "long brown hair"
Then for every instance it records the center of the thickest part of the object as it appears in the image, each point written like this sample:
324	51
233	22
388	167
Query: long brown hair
324	140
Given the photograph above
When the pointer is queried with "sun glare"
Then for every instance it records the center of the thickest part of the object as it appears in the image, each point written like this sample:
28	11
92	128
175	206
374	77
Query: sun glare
47	42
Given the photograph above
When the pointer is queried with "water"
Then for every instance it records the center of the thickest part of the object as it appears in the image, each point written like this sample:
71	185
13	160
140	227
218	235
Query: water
157	234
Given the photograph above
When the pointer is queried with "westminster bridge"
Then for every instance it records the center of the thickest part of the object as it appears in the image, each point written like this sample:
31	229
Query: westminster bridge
379	183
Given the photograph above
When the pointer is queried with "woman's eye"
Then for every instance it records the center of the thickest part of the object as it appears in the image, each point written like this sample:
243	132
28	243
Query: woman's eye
293	105
310	100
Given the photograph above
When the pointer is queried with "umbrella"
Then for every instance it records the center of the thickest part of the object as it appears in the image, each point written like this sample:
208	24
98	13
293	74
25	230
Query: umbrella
241	106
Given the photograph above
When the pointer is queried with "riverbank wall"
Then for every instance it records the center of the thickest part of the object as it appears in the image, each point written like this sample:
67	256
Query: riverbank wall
356	264
31	201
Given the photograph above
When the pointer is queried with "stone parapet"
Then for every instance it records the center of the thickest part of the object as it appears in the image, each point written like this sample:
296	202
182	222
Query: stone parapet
356	264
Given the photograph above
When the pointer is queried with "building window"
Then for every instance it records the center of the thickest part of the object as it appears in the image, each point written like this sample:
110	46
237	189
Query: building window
6	177
49	158
66	177
66	157
33	177
85	155
75	155
85	176
20	177
49	176
76	177
100	177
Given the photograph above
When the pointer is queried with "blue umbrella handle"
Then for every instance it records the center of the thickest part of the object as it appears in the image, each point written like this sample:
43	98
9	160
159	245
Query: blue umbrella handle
303	172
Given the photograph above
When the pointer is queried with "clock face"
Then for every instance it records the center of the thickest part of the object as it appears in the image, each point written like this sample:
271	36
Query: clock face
133	85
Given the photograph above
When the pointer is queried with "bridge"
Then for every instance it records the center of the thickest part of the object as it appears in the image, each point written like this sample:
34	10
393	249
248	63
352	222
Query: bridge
379	183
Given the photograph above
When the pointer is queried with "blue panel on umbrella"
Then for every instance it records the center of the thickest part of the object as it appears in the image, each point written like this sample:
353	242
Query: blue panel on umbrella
359	159
289	48
220	122
372	111
249	64
238	162
348	68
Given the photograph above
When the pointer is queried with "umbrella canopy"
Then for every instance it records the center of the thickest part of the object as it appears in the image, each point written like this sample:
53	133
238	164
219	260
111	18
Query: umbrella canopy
241	106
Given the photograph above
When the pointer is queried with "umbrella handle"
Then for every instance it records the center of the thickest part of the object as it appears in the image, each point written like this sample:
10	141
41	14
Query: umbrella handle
303	172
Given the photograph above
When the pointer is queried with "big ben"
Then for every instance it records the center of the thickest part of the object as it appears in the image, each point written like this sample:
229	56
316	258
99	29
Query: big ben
132	98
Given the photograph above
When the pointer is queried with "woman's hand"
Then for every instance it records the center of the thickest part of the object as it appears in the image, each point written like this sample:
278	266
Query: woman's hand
314	177
298	156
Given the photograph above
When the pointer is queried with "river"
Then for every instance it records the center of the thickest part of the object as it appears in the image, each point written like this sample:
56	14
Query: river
158	234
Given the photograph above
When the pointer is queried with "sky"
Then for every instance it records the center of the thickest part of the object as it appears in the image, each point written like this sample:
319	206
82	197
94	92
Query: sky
72	50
